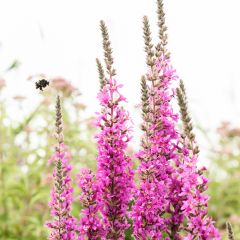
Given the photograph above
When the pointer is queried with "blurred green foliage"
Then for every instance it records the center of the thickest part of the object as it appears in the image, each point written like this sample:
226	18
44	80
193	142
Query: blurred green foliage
224	174
25	147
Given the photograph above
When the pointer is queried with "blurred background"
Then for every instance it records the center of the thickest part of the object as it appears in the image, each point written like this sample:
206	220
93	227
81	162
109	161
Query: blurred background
59	40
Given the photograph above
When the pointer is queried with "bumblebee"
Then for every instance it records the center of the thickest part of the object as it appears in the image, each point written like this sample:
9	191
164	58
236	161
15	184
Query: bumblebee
41	84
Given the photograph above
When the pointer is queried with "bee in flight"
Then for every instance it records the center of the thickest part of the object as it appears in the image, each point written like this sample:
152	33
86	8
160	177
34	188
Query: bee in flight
41	84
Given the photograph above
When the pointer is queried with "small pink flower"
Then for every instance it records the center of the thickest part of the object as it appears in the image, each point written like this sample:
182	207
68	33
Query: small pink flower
63	85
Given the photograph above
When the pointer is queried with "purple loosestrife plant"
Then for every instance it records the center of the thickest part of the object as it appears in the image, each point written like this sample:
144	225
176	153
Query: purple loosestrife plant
63	225
90	223
194	184
152	207
114	167
170	203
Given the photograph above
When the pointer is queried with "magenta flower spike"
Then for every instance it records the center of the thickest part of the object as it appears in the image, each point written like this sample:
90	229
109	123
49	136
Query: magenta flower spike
90	222
169	202
114	173
194	202
63	225
151	209
114	167
171	186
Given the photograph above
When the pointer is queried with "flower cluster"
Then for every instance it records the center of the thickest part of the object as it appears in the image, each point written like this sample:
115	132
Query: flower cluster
90	224
171	187
114	168
169	201
157	156
61	84
193	200
64	225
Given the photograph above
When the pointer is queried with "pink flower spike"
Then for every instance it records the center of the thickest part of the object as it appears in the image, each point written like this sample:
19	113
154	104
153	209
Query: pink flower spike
114	173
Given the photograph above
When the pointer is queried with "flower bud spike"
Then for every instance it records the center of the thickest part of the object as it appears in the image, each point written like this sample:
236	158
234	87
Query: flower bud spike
229	231
163	37
108	58
148	42
101	74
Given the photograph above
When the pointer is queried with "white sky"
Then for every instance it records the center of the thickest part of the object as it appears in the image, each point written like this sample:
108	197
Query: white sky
62	38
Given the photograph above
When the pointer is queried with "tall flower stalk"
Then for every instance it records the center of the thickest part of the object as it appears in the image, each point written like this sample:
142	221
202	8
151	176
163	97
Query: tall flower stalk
169	179
63	224
114	167
151	208
194	184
